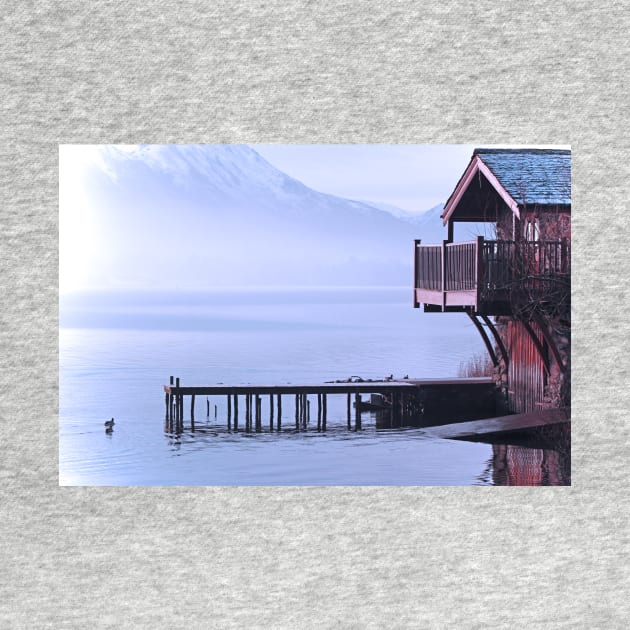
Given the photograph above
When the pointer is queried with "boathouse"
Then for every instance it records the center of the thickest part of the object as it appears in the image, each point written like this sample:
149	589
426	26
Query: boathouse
514	282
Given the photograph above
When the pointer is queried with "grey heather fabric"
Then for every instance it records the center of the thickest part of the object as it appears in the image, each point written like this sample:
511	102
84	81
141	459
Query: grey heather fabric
409	72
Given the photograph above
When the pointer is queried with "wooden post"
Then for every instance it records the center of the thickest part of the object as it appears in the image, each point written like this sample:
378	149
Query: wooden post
416	283
178	406
479	280
171	403
258	414
308	410
279	412
301	410
564	256
236	412
297	411
207	407
357	412
271	412
246	412
349	411
319	412
443	267
229	412
324	411
192	412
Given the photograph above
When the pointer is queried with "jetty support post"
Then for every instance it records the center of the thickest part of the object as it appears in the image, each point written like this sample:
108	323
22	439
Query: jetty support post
279	423
170	405
349	410
297	412
236	412
258	414
324	411
207	407
178	407
192	412
319	412
357	412
270	412
229	412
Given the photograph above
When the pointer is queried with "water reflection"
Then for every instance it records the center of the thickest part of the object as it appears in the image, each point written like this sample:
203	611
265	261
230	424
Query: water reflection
531	461
522	466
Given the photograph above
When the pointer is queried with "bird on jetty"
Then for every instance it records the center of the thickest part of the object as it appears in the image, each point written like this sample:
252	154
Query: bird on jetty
109	425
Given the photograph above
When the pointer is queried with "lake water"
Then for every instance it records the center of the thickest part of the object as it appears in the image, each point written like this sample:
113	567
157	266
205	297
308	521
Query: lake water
117	350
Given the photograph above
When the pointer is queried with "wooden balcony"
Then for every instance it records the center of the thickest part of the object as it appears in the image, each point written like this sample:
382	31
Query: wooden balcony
490	277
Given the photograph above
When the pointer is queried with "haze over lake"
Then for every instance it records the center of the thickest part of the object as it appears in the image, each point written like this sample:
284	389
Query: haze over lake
209	263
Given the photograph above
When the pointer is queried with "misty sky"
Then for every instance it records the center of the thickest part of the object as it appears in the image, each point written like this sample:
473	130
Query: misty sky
196	216
412	177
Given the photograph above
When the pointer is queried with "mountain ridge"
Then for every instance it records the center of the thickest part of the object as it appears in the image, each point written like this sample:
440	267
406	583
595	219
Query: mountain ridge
217	215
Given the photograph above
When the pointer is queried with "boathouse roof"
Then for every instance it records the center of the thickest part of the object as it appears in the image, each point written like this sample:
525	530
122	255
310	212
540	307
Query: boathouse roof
521	177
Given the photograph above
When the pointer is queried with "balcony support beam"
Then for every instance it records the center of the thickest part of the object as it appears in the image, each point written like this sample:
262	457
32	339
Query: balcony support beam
497	338
550	342
534	337
484	336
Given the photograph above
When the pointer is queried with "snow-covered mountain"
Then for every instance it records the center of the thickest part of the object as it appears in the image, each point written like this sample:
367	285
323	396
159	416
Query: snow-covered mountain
216	215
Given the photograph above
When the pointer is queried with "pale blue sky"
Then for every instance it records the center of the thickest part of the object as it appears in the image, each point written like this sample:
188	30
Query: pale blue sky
413	177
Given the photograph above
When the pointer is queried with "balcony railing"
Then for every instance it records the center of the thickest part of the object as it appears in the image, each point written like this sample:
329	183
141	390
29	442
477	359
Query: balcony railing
485	275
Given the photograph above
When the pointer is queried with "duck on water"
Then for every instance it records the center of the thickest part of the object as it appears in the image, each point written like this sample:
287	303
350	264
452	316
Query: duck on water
109	425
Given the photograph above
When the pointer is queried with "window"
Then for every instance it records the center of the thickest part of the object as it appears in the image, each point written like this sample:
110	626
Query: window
532	230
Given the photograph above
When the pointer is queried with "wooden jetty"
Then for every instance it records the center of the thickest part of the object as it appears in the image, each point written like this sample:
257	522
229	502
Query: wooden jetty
505	427
399	392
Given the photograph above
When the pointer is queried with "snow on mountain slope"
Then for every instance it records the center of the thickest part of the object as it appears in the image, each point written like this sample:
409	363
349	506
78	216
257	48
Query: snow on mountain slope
208	215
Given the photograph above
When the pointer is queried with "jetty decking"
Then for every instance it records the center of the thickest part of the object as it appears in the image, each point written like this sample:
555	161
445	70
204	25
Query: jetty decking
399	393
491	429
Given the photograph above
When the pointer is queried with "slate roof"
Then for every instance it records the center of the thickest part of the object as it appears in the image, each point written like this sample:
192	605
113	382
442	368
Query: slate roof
531	176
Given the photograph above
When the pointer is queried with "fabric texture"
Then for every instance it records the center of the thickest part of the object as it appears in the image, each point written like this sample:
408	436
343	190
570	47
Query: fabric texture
304	72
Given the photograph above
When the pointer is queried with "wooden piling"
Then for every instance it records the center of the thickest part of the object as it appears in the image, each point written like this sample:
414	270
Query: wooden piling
349	410
235	412
178	408
171	404
207	407
324	411
246	412
192	412
297	411
229	412
258	414
279	423
357	412
319	412
271	412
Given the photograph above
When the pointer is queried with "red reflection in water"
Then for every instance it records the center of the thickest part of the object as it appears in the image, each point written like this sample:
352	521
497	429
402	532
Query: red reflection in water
522	466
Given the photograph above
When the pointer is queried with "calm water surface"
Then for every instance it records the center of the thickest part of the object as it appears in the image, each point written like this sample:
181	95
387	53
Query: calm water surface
117	351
